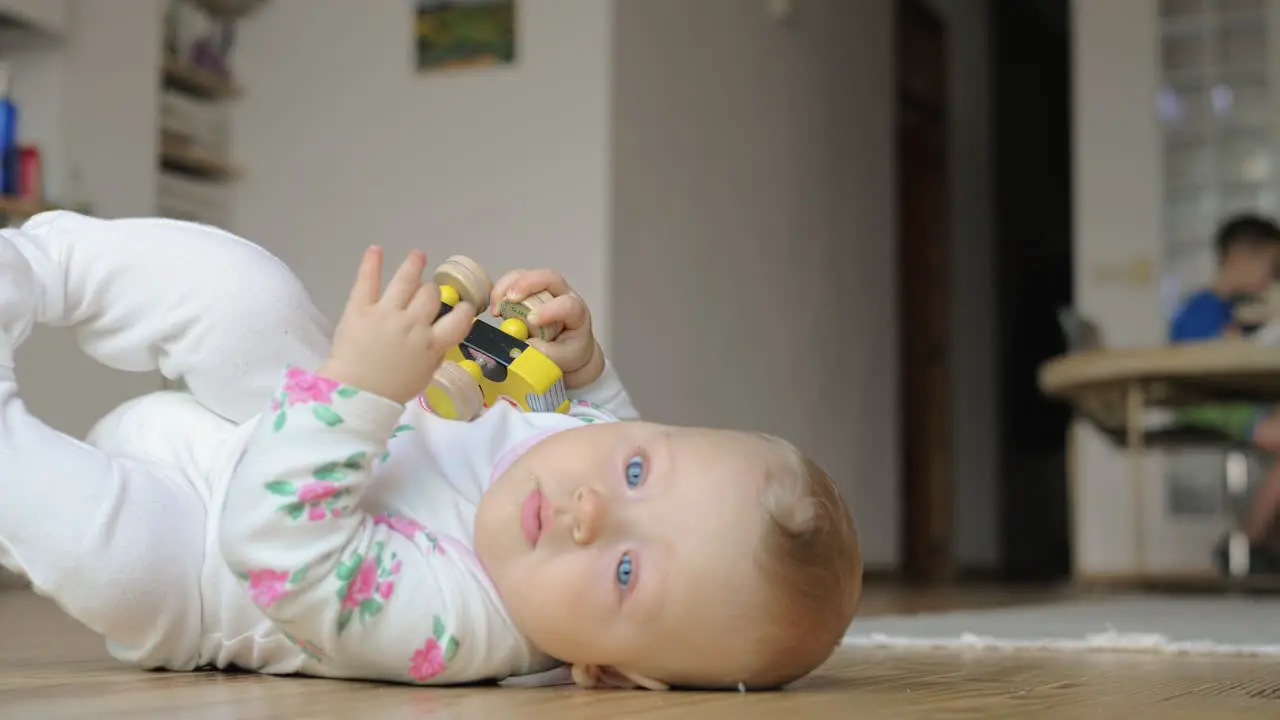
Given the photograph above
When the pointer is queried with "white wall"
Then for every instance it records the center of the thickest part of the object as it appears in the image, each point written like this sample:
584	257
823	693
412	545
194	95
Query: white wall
770	144
625	130
514	166
1118	184
346	145
89	99
99	116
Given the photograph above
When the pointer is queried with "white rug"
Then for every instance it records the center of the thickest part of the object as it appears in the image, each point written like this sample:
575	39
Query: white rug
1197	625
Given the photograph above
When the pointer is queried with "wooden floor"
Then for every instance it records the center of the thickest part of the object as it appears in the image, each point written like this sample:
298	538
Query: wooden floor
49	668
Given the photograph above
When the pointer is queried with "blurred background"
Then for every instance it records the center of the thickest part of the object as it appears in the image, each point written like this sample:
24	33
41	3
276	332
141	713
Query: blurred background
849	222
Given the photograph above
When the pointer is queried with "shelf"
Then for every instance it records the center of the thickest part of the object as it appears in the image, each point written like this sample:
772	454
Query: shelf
230	9
44	17
21	207
197	81
194	163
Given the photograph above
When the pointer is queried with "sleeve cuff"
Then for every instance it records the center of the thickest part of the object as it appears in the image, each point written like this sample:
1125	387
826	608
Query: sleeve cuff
608	392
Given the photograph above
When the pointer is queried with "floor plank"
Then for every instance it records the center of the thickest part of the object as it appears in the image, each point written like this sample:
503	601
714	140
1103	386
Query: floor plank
51	668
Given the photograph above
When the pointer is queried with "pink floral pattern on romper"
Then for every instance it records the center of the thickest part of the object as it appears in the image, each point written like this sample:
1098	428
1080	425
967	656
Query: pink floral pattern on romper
323	496
433	657
367	581
411	529
267	587
367	584
303	387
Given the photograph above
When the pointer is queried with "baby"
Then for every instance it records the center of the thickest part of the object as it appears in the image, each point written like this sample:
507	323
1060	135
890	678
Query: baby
296	509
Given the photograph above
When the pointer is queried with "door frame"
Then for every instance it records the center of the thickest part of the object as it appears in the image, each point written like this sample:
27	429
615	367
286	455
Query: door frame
924	382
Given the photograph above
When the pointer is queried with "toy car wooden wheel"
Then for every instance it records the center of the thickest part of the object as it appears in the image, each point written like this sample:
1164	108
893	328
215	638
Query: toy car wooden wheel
454	394
516	318
467	277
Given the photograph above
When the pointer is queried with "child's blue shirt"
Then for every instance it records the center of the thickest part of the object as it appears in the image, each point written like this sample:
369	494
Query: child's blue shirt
1201	316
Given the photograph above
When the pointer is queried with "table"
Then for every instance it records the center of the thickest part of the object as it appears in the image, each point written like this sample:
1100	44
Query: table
1113	388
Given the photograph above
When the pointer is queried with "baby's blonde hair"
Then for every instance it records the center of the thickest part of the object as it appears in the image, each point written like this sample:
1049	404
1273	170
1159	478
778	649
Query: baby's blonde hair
811	562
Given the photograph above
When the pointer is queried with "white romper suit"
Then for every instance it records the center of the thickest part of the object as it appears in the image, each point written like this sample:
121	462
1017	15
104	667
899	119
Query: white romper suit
267	519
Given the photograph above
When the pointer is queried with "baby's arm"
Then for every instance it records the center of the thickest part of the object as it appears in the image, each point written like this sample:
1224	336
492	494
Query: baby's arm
366	597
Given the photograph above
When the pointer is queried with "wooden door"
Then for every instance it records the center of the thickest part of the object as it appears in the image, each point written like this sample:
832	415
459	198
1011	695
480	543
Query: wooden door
923	273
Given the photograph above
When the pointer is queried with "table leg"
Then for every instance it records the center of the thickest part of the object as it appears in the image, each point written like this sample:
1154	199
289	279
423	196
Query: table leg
1237	482
1137	451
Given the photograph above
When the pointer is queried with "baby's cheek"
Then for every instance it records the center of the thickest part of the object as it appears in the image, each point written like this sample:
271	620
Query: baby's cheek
572	574
585	582
563	596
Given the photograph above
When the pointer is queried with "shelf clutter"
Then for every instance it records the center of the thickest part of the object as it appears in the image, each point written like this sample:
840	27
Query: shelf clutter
197	81
21	171
28	24
197	87
48	18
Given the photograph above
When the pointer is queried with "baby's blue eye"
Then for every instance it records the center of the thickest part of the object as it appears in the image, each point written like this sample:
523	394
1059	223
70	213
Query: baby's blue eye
624	571
635	471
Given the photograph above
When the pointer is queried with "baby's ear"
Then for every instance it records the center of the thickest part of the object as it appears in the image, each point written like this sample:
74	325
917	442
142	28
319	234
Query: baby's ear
606	676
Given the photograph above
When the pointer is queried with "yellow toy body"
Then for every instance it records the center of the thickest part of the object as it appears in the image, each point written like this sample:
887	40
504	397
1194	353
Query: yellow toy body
497	360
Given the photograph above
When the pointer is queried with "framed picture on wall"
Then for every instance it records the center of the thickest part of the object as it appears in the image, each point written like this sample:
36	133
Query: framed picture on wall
453	34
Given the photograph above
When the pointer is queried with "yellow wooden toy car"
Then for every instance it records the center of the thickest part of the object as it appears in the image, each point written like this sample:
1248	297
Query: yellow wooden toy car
493	364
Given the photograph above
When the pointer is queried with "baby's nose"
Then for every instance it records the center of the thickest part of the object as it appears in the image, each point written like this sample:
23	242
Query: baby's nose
588	515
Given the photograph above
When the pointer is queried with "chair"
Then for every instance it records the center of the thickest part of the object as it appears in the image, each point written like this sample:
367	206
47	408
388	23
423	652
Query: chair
1082	334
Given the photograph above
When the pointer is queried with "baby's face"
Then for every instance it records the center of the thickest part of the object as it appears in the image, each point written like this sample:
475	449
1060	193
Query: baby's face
631	545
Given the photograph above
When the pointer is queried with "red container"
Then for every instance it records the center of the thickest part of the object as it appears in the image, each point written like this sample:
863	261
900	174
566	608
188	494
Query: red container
30	173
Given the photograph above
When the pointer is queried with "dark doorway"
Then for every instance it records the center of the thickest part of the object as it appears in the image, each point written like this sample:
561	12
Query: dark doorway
1031	88
924	291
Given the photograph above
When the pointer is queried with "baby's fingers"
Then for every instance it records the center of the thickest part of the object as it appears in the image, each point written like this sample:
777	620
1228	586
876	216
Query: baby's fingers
406	281
554	352
500	290
454	326
535	281
368	283
425	305
571	310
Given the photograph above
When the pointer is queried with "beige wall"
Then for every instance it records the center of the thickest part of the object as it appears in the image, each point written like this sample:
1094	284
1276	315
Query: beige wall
1116	170
681	163
693	168
753	226
1118	221
347	145
691	180
975	437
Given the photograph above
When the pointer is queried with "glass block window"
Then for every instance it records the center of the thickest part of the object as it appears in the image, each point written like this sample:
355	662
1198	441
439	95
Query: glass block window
1214	106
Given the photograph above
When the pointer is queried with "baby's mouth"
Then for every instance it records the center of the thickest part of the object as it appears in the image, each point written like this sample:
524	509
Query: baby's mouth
531	514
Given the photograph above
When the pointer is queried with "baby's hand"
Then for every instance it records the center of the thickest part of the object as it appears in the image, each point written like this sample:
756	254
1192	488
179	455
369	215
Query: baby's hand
390	344
575	350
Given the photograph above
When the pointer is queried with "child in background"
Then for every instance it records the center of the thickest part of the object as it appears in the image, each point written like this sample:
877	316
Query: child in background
1248	249
298	512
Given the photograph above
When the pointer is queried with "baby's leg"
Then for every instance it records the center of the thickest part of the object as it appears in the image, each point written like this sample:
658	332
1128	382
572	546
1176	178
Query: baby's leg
118	543
198	304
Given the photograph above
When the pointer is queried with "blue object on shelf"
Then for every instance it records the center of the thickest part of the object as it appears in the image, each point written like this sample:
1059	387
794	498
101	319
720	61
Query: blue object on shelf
9	156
